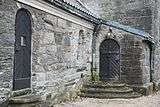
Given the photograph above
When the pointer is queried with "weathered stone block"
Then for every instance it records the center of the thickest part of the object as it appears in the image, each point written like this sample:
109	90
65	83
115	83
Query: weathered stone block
40	78
21	92
48	38
145	89
52	19
62	23
58	38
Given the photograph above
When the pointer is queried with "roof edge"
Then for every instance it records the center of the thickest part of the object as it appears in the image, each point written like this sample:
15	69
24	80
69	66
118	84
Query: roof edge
129	29
73	10
95	20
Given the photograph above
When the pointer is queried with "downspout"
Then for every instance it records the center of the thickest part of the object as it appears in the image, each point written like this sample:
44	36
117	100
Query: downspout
152	49
95	33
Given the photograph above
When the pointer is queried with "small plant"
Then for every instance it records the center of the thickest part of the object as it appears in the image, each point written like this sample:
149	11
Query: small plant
96	77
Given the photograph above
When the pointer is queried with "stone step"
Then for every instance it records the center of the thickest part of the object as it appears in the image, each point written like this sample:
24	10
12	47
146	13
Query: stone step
21	92
107	90
35	104
104	85
29	98
110	95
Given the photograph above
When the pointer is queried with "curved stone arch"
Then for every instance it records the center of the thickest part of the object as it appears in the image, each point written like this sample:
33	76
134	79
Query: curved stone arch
105	36
99	40
117	42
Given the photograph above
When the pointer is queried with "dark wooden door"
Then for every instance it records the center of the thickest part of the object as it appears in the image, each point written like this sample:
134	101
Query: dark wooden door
22	56
109	60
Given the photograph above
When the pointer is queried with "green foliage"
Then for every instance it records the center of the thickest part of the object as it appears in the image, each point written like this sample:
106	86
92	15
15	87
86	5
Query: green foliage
96	77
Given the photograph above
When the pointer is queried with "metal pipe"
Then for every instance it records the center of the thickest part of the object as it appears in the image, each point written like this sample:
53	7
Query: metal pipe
152	49
95	32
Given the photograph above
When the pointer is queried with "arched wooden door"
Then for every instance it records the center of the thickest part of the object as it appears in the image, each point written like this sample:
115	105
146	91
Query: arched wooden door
22	55
109	60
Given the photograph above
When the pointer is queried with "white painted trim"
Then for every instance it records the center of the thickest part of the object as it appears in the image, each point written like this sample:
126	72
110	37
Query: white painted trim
41	5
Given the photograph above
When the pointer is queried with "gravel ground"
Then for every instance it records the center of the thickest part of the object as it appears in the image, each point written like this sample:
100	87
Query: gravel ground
146	101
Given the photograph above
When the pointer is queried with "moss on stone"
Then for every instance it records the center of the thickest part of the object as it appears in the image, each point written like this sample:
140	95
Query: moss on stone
156	86
96	77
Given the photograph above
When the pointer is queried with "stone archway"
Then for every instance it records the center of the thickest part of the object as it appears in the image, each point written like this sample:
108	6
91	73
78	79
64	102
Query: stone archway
109	60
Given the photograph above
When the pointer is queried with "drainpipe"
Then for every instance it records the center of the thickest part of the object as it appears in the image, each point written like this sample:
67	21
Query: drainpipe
152	49
95	33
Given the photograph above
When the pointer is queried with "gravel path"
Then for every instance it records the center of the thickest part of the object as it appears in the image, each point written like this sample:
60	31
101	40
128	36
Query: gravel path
149	101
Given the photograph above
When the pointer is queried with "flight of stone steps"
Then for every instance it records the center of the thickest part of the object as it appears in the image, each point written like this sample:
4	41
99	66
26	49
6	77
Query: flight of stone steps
107	90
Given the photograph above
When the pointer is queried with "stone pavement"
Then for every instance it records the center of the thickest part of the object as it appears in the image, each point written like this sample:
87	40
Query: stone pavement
145	101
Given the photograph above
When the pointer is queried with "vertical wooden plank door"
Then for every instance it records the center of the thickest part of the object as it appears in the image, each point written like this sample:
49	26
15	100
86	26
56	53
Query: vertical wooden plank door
22	55
109	60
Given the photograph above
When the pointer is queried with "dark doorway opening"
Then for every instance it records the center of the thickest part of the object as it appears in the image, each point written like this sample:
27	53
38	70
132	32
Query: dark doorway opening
109	60
22	51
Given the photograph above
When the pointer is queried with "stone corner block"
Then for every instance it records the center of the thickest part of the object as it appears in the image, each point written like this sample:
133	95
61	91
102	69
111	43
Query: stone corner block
145	89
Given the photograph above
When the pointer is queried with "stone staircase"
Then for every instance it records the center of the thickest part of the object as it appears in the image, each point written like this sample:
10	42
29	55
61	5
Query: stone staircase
107	90
25	98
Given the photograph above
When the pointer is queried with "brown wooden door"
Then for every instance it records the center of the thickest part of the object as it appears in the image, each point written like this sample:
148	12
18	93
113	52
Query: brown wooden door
22	55
109	60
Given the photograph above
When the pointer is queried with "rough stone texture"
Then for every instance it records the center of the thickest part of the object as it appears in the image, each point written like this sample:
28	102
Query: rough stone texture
7	20
30	98
135	13
134	56
140	14
61	50
61	53
146	89
156	34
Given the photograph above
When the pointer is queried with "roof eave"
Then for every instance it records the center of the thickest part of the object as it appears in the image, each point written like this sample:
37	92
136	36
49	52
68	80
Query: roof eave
129	29
74	10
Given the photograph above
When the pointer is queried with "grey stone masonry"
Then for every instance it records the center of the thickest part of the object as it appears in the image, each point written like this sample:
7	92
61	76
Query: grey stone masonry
7	21
141	14
61	53
134	56
135	13
61	49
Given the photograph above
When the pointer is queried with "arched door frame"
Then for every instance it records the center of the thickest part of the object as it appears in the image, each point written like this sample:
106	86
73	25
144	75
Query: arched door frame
22	47
100	58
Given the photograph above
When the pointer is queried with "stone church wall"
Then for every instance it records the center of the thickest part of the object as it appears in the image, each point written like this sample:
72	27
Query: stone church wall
61	49
141	14
135	13
7	31
156	34
61	52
